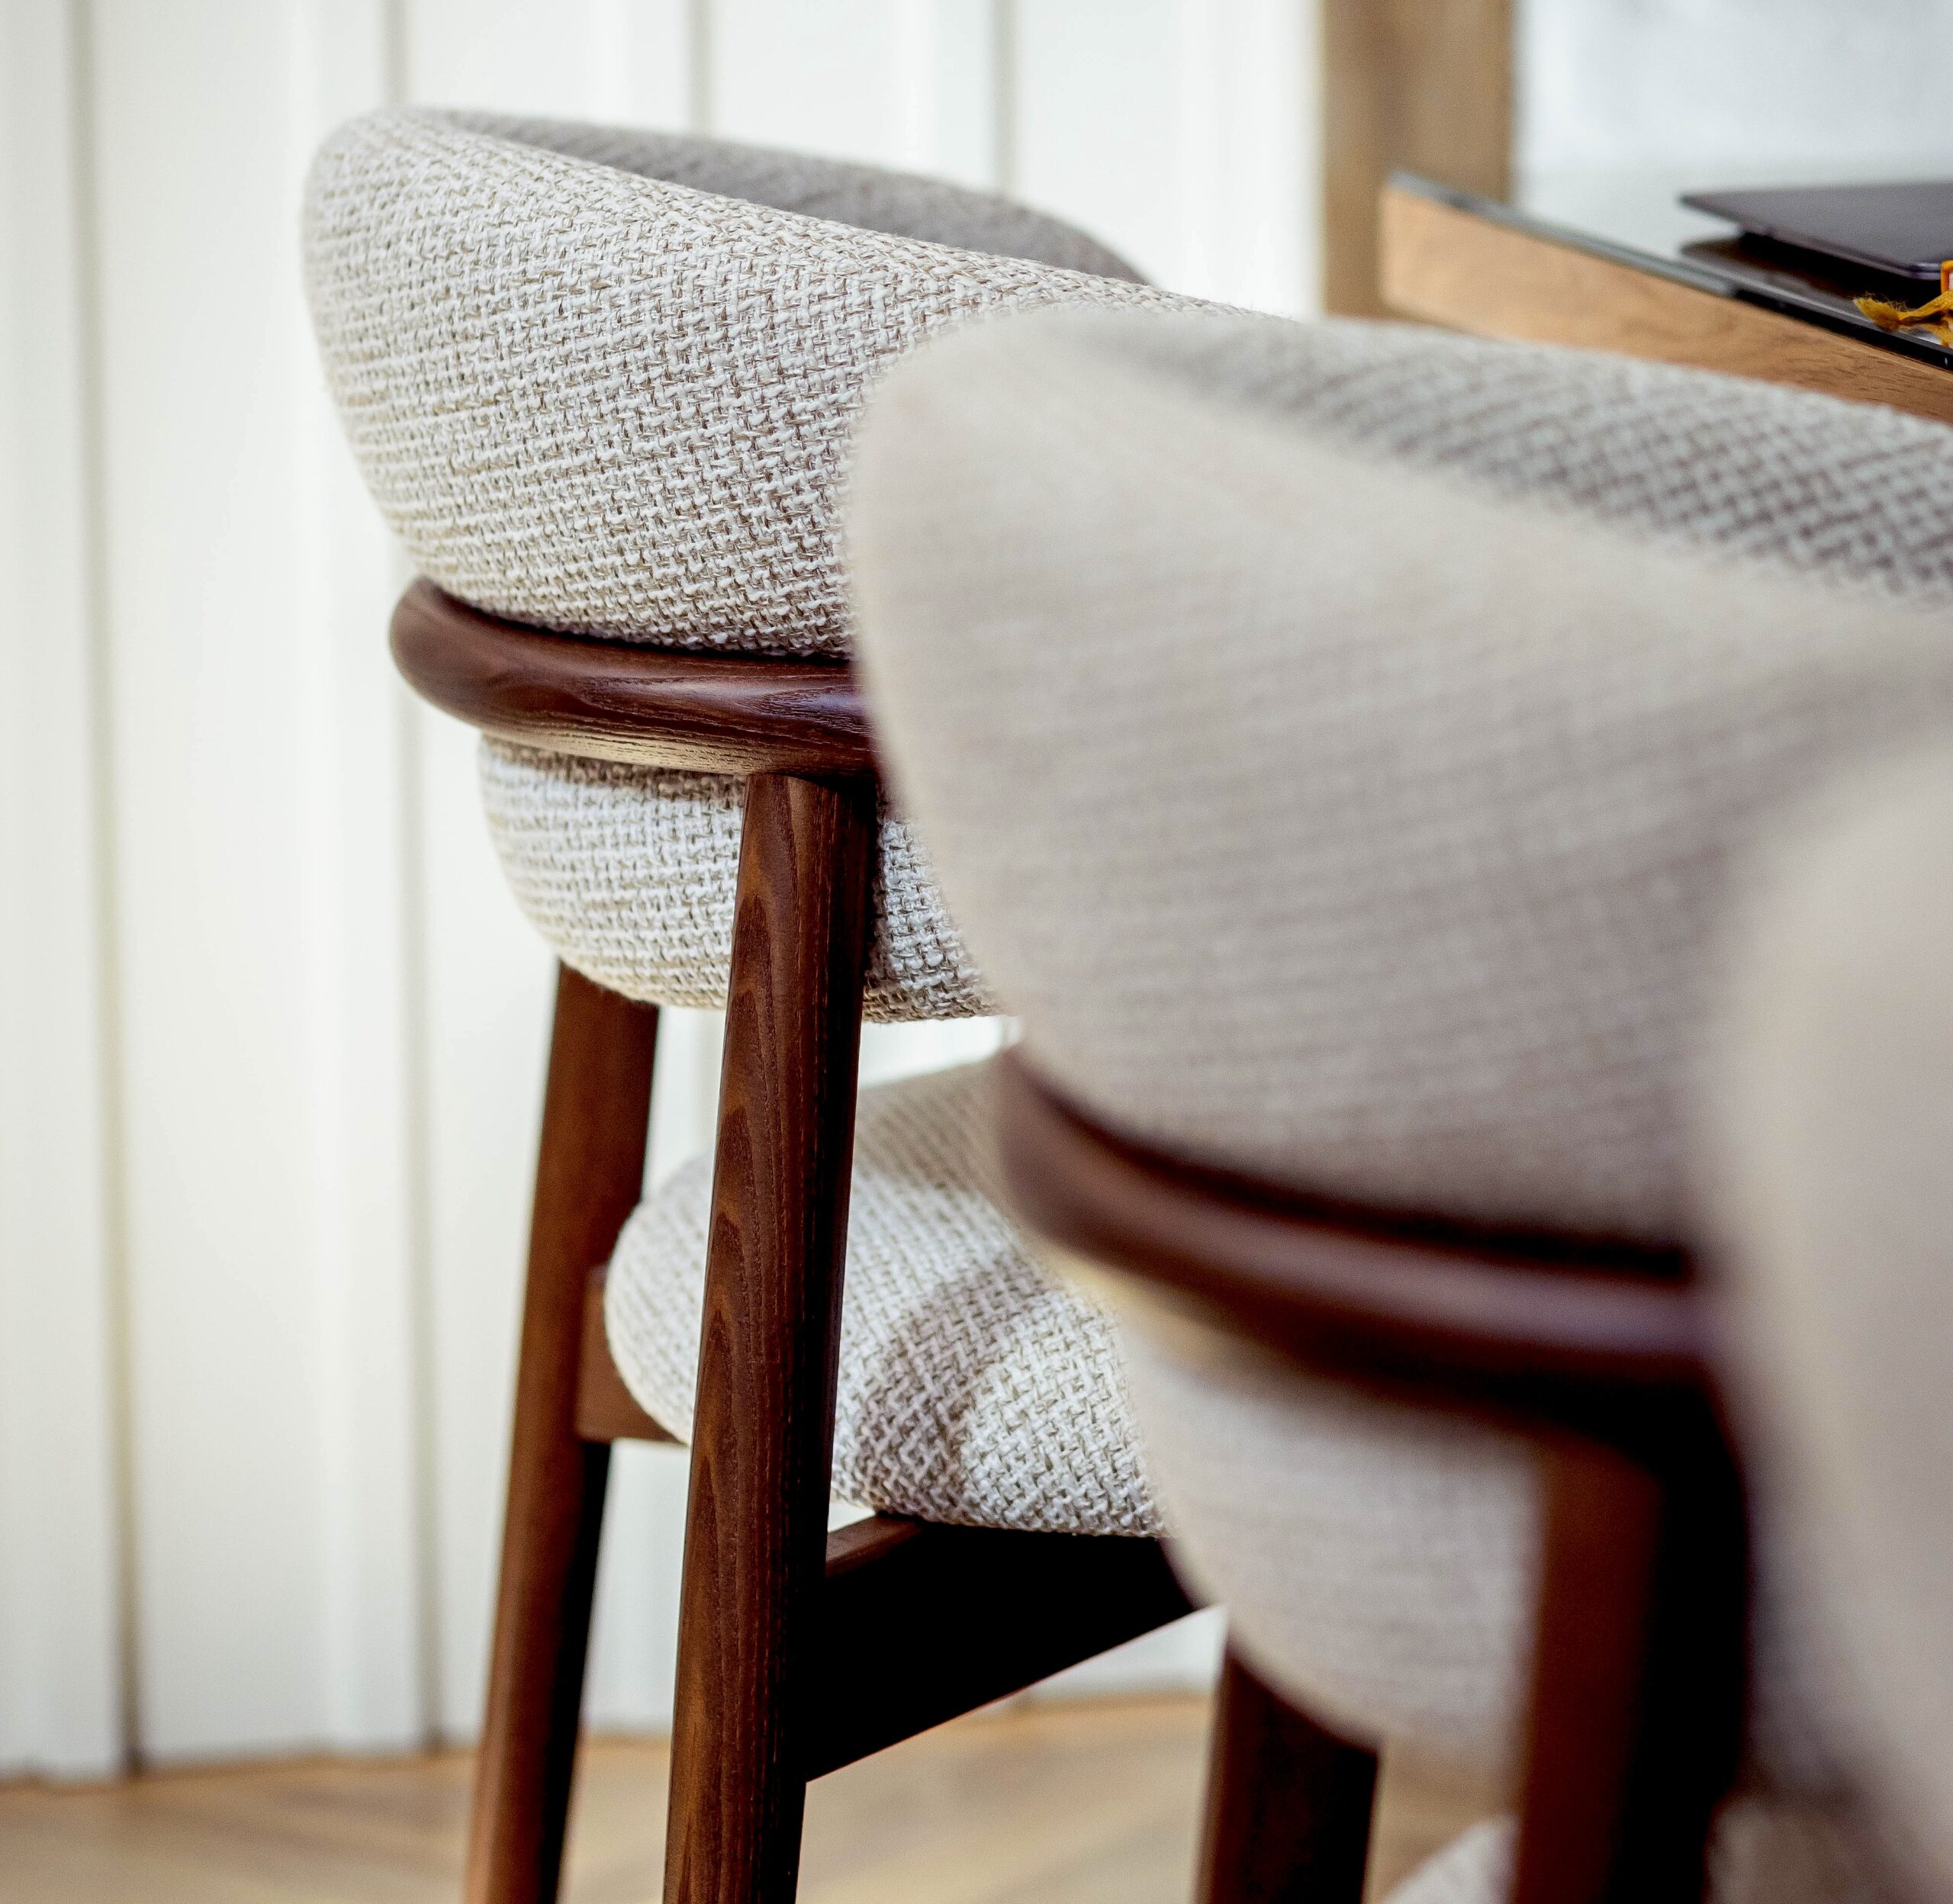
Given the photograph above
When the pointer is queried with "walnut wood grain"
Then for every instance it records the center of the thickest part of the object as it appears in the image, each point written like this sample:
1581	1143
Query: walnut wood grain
1557	1324
595	1113
921	1621
1419	85
1288	1803
605	701
756	1530
1452	266
606	1411
1635	1716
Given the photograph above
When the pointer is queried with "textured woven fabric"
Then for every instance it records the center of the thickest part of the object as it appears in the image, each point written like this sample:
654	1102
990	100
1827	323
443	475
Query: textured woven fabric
1331	739
588	391
1763	1853
1830	1123
868	197
1394	1593
975	1387
1391	1595
629	872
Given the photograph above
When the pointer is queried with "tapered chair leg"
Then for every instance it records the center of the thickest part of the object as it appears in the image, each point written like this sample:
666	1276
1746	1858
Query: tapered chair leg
1638	1672
762	1434
1288	1803
595	1119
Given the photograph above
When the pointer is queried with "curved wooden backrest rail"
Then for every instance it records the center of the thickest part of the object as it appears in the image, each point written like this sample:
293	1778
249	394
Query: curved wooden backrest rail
1554	1324
612	701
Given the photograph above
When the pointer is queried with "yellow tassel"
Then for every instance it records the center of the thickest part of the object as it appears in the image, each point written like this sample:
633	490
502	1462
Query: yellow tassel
1936	317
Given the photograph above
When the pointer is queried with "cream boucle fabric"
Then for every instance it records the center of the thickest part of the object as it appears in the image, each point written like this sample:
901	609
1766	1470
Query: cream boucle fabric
1763	1852
590	390
1830	1130
975	1386
1331	739
630	873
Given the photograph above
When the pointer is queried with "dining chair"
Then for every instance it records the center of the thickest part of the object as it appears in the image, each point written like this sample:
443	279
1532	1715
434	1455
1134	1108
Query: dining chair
1335	741
601	384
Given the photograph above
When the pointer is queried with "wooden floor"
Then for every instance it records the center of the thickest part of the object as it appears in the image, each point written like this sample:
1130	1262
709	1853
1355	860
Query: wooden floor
1057	1803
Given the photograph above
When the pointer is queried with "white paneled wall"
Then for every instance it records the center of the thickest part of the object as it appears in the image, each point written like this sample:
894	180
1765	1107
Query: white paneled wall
273	1031
61	1658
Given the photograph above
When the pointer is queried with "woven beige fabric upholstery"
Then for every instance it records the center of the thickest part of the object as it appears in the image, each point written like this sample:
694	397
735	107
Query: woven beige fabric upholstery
630	873
1403	696
1392	1589
1763	1852
1831	1129
590	392
1380	1564
975	1387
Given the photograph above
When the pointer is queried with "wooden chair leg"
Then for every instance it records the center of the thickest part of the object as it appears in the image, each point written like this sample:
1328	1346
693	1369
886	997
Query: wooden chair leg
1638	1675
1288	1803
595	1121
762	1436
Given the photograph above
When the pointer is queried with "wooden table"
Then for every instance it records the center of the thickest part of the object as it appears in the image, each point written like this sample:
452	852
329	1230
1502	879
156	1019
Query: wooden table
1476	265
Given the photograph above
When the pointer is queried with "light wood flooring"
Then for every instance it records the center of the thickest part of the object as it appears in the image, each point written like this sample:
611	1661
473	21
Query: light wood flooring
1052	1803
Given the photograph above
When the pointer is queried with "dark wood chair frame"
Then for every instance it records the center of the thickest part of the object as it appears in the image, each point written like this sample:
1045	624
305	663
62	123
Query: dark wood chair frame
1602	1352
800	1651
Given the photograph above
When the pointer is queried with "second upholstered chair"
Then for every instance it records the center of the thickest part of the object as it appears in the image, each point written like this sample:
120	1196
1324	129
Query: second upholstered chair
1335	741
600	383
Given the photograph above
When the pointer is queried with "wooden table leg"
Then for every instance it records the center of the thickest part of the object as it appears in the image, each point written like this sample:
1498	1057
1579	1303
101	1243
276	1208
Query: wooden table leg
595	1121
1288	1803
762	1436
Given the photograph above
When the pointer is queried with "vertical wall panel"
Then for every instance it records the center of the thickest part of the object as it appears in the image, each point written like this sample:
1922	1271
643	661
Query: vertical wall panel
956	122
60	1661
1096	123
357	850
259	983
824	79
628	59
487	979
1181	132
1250	179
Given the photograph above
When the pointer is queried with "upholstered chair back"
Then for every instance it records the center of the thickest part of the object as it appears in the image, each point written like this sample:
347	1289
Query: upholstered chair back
1333	739
604	380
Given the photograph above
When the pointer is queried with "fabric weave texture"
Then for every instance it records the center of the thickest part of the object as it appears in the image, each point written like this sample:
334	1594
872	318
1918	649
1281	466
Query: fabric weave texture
630	874
975	1387
603	381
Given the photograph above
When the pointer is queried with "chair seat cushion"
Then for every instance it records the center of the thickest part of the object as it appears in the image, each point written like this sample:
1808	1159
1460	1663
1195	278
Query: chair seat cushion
975	1388
1381	1562
629	872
